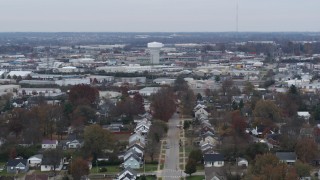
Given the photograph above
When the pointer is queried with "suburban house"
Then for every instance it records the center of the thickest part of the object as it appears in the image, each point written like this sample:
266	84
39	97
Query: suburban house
75	144
199	106
49	144
202	117
208	139
47	165
133	162
17	165
287	157
213	160
136	137
127	174
137	147
306	132
130	152
143	127
201	111
304	114
242	162
35	160
207	147
206	126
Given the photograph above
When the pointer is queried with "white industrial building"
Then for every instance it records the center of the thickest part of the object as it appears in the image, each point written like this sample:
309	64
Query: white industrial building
148	91
131	68
23	74
82	60
72	81
164	81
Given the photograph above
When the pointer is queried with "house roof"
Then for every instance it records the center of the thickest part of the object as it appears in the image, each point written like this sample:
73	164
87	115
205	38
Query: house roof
284	156
133	152
47	161
303	113
15	162
241	159
134	156
213	157
207	145
39	156
208	133
128	172
47	141
136	145
136	136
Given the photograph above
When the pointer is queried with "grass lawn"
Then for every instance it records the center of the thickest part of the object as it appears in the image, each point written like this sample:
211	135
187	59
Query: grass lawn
151	177
200	167
122	137
195	177
188	150
4	173
150	168
161	166
181	150
110	169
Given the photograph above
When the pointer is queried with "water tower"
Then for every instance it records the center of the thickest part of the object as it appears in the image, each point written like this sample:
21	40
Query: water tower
154	48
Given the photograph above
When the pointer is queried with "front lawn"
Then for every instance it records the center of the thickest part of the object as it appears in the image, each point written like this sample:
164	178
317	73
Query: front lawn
149	168
110	169
195	177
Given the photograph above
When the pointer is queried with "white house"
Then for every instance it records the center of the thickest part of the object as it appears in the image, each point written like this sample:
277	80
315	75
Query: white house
201	111
304	114
49	144
213	160
142	127
35	160
47	166
127	174
75	144
242	162
136	137
138	148
133	162
206	147
199	106
131	152
208	139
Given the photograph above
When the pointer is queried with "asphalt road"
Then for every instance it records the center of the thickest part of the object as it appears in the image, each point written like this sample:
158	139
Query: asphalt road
171	164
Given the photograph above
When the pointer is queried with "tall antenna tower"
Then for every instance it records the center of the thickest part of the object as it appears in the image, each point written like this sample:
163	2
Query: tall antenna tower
237	16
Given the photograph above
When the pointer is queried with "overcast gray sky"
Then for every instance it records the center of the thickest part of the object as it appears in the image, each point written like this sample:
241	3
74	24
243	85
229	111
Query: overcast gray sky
158	15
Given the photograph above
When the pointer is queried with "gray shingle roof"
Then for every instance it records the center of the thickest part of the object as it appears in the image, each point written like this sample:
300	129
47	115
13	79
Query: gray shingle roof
284	156
213	157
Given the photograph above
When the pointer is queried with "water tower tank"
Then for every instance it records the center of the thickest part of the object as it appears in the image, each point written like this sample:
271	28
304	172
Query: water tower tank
154	48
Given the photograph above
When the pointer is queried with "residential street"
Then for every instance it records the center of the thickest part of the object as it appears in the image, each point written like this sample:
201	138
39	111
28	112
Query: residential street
171	166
